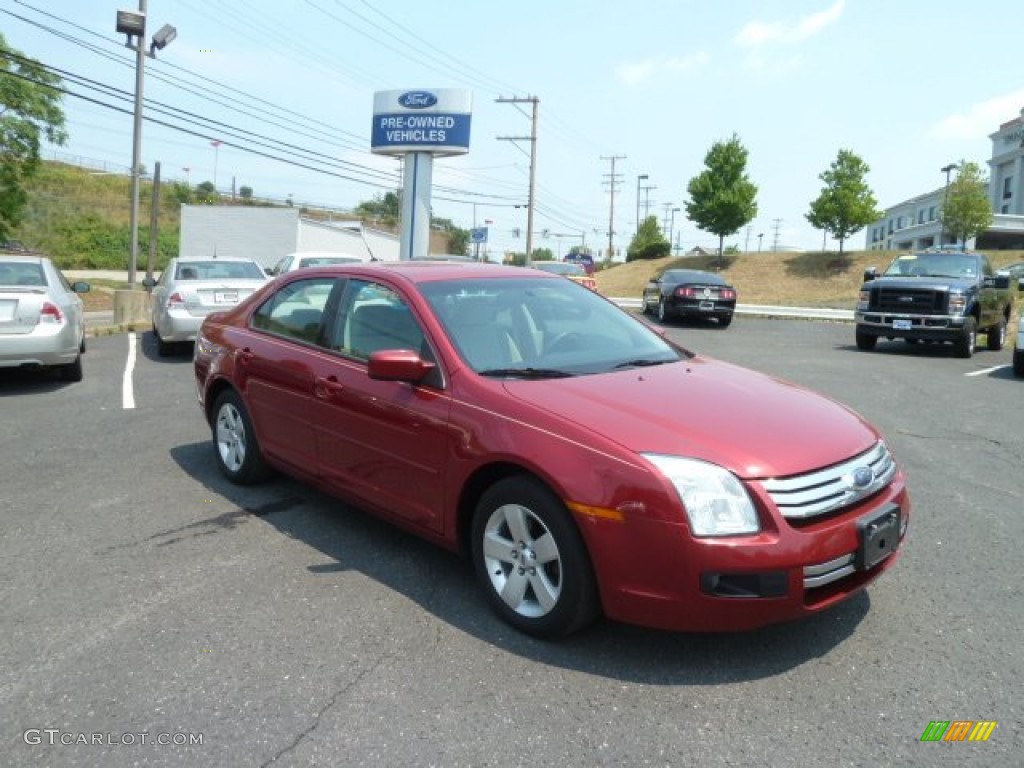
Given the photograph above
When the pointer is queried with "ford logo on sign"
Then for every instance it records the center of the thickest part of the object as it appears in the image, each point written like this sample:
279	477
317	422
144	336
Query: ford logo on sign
417	99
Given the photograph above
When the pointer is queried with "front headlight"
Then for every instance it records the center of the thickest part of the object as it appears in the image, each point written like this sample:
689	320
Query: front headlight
864	300
957	303
715	500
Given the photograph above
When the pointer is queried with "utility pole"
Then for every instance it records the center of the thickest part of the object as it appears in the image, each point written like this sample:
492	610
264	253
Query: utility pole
664	218
532	138
775	242
613	181
647	198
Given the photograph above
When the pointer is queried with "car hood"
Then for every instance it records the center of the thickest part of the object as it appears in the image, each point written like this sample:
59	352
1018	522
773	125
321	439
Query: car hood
750	423
933	283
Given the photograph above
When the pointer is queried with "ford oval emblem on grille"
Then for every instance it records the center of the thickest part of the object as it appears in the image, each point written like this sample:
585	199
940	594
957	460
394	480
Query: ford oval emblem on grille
863	477
417	99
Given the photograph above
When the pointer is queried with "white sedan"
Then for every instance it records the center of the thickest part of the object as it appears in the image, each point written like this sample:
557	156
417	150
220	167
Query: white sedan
42	322
191	288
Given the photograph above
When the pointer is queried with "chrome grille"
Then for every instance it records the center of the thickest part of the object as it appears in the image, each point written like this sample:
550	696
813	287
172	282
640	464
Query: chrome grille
918	301
826	490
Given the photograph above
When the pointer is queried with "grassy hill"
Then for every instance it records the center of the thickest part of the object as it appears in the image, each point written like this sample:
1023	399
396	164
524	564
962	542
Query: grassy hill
776	278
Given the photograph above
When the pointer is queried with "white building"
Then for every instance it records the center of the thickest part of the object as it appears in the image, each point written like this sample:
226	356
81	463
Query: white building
268	234
914	223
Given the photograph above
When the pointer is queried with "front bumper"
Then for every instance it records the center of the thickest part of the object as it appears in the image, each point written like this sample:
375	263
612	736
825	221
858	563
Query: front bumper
654	573
936	327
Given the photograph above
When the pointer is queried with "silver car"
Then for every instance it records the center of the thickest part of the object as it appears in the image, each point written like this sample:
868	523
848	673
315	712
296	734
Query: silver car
303	259
191	288
42	321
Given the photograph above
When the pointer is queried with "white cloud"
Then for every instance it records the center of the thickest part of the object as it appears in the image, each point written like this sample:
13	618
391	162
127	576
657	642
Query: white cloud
757	33
981	118
635	73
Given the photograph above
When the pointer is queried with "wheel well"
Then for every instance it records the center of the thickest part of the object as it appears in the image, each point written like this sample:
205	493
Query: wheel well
475	487
215	390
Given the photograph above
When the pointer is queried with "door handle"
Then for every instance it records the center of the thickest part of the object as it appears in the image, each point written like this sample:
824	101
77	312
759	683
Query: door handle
326	388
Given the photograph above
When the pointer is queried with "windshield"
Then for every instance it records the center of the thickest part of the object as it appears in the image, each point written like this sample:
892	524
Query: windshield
935	265
542	328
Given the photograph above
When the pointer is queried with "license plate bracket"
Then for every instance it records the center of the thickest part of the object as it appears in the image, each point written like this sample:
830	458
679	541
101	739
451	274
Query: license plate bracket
879	537
225	297
901	324
707	306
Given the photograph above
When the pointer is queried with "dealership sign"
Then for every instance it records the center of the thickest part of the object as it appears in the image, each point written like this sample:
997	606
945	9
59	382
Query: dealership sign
424	120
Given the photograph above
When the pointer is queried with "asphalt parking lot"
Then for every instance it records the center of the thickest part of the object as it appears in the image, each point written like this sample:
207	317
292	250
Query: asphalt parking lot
144	599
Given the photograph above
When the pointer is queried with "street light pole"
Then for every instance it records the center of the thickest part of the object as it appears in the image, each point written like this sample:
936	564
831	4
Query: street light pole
140	65
672	229
759	236
638	179
133	26
945	192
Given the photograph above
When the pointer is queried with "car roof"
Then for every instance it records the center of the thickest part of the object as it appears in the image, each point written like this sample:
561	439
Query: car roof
204	259
695	275
417	271
22	258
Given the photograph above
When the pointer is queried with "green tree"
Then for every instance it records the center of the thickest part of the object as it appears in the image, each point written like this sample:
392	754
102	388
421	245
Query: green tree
722	198
206	193
386	207
966	210
29	109
846	204
245	193
648	242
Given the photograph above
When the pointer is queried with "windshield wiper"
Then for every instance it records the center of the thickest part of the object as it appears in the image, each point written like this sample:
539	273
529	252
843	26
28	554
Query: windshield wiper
527	373
641	363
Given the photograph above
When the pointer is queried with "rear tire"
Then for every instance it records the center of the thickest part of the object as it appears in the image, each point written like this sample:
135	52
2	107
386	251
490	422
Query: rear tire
234	441
163	348
964	346
1018	362
663	311
531	561
997	335
71	371
725	321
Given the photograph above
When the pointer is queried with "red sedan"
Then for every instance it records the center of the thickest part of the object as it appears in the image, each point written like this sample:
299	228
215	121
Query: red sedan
587	464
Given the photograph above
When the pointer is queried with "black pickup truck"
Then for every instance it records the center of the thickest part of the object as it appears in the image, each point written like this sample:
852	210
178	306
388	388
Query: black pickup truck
937	295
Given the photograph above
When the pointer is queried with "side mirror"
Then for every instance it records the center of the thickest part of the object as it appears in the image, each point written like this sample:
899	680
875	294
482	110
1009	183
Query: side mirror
1002	281
398	365
80	286
1020	285
148	282
870	274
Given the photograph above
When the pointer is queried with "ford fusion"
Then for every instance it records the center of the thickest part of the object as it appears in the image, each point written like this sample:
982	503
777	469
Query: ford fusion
585	463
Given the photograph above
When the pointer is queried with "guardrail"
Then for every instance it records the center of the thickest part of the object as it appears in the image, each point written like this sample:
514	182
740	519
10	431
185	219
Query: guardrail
810	313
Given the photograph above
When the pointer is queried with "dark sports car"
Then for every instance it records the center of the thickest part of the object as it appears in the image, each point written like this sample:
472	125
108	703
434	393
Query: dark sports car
690	293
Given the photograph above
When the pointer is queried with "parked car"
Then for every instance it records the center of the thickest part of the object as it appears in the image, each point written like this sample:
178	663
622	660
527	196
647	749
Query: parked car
587	464
568	269
936	295
1018	350
312	259
690	293
42	320
191	288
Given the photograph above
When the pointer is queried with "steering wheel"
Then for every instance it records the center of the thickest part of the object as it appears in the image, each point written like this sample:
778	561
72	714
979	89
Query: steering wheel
567	339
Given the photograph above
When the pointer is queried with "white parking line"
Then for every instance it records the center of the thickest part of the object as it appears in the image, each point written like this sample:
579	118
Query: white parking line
986	371
127	392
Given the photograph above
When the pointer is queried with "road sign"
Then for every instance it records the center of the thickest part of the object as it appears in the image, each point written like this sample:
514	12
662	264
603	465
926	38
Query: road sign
478	235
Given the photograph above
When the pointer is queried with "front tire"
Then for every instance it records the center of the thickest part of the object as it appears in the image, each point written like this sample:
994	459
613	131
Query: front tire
234	441
997	335
1018	362
964	346
531	560
866	341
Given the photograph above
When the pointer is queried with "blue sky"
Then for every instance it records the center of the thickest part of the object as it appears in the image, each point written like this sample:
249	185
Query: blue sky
910	86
